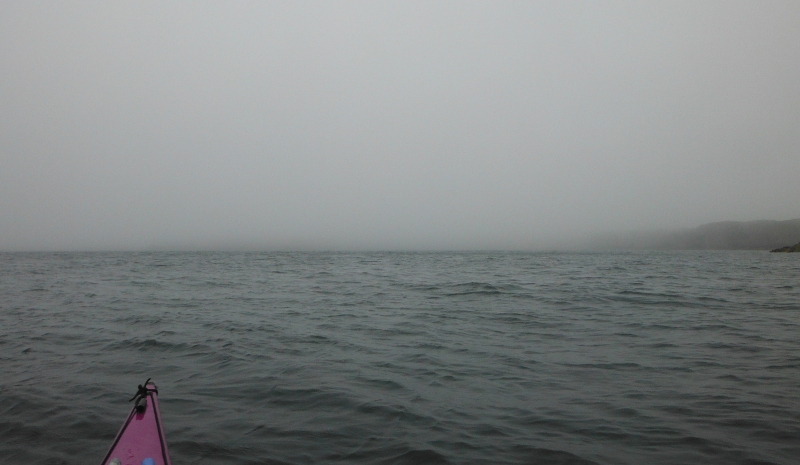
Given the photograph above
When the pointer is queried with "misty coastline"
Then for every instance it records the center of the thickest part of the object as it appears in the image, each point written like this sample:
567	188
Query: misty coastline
788	249
725	235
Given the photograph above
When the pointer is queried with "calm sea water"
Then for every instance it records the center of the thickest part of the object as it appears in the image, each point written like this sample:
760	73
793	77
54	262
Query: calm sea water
382	358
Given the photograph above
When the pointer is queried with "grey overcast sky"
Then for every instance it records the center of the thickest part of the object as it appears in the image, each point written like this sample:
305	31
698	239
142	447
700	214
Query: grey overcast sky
391	125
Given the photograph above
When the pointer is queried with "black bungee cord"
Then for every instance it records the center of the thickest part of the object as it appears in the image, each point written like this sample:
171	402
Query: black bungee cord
141	396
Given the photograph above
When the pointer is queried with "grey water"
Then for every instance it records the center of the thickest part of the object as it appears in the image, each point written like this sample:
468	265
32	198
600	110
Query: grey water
395	358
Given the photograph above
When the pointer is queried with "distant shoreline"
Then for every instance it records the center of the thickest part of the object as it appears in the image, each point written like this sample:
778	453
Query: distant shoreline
728	235
788	249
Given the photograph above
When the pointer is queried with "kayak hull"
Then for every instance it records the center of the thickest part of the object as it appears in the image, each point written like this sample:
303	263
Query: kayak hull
141	436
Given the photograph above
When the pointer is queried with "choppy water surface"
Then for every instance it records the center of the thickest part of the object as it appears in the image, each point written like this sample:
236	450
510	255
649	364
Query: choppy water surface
310	358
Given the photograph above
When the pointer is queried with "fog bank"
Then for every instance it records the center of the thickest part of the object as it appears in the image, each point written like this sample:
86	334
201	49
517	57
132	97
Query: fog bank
392	125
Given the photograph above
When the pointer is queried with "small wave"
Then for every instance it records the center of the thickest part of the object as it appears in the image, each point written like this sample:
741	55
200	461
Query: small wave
734	347
146	345
383	384
608	366
417	457
478	288
534	455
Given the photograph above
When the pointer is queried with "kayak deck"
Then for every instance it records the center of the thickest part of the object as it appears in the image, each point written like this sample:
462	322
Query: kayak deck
141	436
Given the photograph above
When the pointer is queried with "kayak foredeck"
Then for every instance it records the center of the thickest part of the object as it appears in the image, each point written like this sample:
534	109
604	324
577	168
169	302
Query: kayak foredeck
141	439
